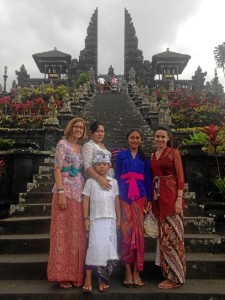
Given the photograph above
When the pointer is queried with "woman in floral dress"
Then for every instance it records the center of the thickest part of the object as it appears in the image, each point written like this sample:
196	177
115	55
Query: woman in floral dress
67	235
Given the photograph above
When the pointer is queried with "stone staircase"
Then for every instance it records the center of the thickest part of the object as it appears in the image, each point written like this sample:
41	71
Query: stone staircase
24	239
119	114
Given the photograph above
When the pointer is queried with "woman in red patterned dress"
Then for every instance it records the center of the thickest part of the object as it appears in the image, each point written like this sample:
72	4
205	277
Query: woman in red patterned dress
67	235
168	186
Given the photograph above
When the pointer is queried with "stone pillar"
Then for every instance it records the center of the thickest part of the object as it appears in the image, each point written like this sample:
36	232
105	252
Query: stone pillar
52	134
64	118
153	119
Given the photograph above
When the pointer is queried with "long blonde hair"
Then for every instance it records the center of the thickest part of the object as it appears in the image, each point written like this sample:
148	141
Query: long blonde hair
69	128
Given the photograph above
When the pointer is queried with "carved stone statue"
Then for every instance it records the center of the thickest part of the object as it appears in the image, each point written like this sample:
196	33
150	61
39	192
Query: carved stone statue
52	109
153	105
132	74
171	86
66	104
22	76
91	74
164	113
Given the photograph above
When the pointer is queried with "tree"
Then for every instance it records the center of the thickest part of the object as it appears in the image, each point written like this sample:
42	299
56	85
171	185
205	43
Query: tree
219	55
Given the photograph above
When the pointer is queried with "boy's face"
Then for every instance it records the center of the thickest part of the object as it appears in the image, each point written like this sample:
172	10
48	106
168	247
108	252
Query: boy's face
102	168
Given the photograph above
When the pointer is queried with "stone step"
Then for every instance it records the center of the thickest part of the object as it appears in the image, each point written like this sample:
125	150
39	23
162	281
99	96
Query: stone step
25	225
33	266
36	196
39	243
194	210
40	224
193	289
199	224
33	209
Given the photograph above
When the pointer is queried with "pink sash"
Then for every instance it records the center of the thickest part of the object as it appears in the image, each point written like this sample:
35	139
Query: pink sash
133	192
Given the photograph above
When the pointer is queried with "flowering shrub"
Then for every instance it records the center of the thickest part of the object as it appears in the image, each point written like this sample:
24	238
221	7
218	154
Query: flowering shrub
214	141
30	114
194	110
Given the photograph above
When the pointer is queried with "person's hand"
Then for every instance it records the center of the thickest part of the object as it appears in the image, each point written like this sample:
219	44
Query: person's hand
104	183
87	225
62	201
148	207
179	206
118	224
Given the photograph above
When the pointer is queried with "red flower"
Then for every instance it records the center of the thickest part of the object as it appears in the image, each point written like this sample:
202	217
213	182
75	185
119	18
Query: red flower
212	131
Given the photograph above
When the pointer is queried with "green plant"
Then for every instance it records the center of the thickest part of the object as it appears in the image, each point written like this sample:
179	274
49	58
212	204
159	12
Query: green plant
196	138
220	184
6	144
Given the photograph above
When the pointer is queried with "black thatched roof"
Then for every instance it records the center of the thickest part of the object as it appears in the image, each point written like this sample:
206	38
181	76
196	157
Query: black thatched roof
52	57
170	58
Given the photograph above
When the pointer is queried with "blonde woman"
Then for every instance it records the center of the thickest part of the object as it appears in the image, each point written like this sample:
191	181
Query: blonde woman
67	235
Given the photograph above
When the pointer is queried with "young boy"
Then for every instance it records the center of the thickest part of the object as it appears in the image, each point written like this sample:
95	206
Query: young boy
101	213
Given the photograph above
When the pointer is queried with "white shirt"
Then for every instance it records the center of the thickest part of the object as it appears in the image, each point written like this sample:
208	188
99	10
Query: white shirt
101	80
102	203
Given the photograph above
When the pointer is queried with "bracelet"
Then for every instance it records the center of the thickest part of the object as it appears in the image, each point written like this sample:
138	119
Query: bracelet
61	191
87	218
179	196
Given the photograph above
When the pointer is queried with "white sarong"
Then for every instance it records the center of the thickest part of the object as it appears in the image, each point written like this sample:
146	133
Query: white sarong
102	245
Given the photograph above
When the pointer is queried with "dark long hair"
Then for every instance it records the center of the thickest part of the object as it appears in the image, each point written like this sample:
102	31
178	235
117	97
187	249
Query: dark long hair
169	132
140	151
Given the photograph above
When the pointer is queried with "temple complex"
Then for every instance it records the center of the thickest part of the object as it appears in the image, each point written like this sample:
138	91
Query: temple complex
54	64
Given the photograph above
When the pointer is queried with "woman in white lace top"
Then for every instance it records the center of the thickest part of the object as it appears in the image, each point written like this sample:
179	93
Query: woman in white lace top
89	151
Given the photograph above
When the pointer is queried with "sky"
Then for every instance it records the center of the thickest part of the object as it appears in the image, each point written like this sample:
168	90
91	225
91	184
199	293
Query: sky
193	27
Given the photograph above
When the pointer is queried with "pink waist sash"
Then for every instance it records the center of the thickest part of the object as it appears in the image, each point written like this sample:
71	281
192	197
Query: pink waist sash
133	192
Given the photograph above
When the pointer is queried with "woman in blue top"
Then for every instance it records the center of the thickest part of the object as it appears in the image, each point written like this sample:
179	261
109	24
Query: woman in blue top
133	175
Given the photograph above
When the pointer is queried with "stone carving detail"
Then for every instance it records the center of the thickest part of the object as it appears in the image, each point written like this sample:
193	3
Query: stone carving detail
132	74
52	112
66	104
22	76
164	112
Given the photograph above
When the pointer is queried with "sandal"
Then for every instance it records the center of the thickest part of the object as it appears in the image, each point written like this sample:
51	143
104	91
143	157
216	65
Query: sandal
65	284
103	289
138	283
168	284
87	288
128	283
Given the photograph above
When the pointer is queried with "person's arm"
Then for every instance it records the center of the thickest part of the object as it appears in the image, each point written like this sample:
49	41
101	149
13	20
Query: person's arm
118	166
59	157
180	182
148	185
87	151
118	211
85	208
102	181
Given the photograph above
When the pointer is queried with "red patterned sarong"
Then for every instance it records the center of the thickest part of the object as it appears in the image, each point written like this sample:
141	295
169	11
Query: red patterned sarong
67	243
172	251
132	245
